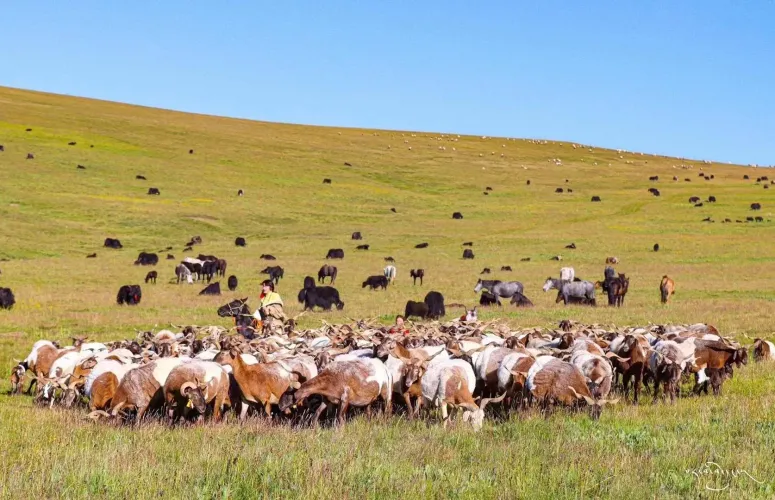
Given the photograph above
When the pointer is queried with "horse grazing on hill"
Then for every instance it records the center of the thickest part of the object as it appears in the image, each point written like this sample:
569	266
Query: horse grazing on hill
238	309
500	289
327	271
569	290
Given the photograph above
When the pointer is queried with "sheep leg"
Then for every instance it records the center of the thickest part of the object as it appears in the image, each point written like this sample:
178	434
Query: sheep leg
344	404
444	415
408	401
141	410
244	410
656	388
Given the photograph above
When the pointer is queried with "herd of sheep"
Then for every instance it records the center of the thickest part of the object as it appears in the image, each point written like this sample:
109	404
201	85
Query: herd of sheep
203	373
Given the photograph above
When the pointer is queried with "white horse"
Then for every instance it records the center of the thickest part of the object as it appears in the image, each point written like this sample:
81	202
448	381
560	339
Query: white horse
390	273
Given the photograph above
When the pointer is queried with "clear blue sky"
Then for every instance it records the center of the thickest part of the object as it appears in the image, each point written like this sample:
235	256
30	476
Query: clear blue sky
680	77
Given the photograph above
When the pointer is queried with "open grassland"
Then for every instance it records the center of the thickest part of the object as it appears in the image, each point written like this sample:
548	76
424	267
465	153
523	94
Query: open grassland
54	214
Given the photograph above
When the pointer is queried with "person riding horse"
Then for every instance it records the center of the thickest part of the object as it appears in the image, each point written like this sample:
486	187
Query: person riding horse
271	306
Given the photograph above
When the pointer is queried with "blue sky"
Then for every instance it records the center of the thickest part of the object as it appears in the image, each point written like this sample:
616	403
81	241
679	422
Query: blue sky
680	77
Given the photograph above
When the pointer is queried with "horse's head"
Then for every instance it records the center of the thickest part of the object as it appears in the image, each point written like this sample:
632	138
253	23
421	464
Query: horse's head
232	308
479	286
548	285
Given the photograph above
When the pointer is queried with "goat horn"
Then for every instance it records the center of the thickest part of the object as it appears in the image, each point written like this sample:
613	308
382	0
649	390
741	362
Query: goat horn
187	385
97	414
483	404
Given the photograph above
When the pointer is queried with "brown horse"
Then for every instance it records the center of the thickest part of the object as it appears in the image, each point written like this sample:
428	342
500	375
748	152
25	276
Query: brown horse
666	288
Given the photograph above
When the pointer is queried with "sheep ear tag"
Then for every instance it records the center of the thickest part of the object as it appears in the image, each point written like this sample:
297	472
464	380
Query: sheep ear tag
190	404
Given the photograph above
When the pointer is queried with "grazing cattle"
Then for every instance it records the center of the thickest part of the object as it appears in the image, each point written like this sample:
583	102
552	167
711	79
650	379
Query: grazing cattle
320	296
190	151
765	178
389	259
274	272
7	299
711	199
80	167
170	256
375	282
326	181
30	156
416	274
240	241
486	270
654	191
232	283
457	215
417	309
266	256
240	192
468	253
558	190
154	191
528	182
485	193
666	289
140	177
335	253
675	178
357	235
570	190
129	294
362	247
393	210
756	206
698	204
91	256
525	259
421	245
656	247
506	268
435	303
390	273
112	243
346	164
151	277
468	244
654	178
488	188
147	259
212	289
520	300
327	271
487	299
595	198
572	246
746	177
758	218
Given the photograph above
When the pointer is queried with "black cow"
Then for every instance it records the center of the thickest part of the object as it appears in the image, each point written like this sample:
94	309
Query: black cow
309	282
274	272
520	300
654	178
91	256
335	253
435	303
506	268
151	276
487	299
170	256
240	192
656	247
7	300
468	244
457	215
154	191
468	253
147	259
486	193
756	206
415	274
266	256
321	296
140	177
30	156
654	191
80	167
525	259
112	243
212	289
711	199
232	282
421	245
326	181
362	247
240	241
129	295
375	282
418	309
570	190
694	199
357	235
393	210
346	164
486	270
558	190
595	198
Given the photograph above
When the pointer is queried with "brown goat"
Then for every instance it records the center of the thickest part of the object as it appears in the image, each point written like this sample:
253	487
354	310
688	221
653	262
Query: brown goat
763	350
559	382
666	289
635	348
717	358
196	385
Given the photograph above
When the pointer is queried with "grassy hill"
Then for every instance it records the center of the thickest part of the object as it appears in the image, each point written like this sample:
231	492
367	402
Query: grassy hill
54	214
